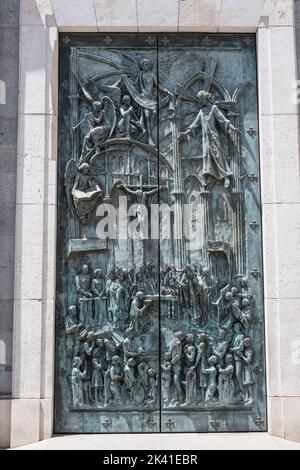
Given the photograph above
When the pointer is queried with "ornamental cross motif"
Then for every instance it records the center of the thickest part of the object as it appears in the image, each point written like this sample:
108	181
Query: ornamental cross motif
150	40
107	40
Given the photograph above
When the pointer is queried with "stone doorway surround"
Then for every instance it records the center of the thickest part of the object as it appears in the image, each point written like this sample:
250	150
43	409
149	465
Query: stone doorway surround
29	415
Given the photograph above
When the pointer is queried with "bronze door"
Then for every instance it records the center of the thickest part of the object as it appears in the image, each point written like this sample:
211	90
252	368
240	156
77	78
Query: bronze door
159	309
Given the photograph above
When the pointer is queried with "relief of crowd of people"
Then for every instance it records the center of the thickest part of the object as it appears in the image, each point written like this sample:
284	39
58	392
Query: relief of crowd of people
107	366
197	370
211	369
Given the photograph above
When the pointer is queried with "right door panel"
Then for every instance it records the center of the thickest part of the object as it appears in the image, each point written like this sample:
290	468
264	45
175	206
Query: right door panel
211	288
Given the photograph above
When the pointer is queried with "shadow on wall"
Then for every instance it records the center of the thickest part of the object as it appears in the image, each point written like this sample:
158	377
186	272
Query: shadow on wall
37	87
2	92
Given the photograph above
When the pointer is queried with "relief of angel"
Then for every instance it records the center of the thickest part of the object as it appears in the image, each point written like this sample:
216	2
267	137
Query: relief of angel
141	82
102	122
212	120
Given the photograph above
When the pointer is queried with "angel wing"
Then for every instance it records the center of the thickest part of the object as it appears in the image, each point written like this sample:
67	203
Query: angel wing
110	114
112	91
165	61
70	174
87	94
130	67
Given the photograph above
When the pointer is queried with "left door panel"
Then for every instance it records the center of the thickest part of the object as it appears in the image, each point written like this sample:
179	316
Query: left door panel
107	303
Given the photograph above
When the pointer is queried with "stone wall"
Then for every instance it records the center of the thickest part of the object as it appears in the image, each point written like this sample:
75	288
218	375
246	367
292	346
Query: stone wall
9	73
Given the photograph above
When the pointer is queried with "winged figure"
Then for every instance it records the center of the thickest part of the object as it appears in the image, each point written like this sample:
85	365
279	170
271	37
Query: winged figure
139	77
141	82
83	190
102	122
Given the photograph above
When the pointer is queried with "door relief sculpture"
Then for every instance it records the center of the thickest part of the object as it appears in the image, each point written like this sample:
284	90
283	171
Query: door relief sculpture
160	323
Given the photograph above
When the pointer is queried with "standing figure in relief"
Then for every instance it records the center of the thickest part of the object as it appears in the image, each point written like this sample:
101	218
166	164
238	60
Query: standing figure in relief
153	382
71	328
226	383
97	374
129	348
128	286
129	374
139	320
116	380
99	291
200	298
220	349
110	278
126	297
188	295
143	369
80	337
246	292
110	349
208	284
83	288
245	314
248	378
190	380
176	357
203	353
130	277
237	346
166	378
234	291
228	309
211	372
148	85
140	278
76	379
110	346
88	348
165	274
143	86
128	124
117	295
211	119
152	276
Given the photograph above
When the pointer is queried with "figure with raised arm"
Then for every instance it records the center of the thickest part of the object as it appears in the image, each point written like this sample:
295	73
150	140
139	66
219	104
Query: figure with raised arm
212	120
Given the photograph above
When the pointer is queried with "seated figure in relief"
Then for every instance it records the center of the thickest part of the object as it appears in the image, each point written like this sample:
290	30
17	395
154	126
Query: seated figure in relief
86	192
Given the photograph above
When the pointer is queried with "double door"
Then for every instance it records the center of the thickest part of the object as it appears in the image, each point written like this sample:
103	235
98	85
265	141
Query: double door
159	303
